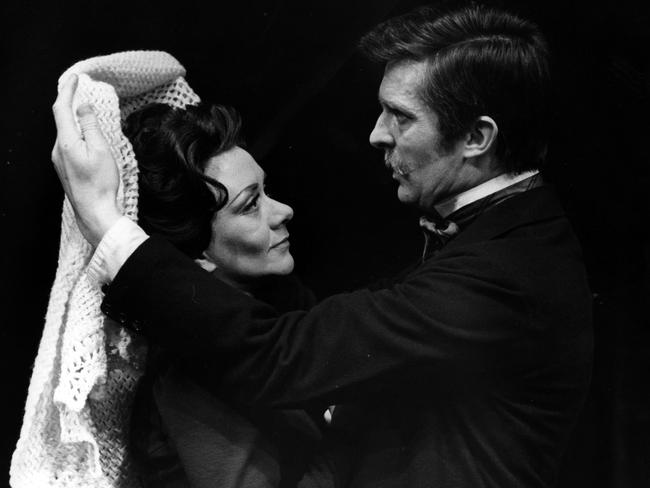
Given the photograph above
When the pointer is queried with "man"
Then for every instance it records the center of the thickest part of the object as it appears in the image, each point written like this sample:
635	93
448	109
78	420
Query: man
468	372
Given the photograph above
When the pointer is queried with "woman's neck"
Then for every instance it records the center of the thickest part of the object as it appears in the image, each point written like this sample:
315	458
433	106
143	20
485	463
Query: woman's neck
244	286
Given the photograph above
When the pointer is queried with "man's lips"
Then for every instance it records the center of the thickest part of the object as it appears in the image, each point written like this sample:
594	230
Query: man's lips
398	170
391	167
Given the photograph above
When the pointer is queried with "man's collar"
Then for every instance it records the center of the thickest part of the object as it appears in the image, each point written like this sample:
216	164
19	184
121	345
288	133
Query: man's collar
450	205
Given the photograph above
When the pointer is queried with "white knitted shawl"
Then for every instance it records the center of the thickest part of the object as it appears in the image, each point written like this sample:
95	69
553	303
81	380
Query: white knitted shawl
75	429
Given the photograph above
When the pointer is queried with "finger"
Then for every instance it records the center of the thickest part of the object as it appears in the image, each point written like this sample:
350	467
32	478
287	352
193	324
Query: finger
54	156
56	159
67	132
89	125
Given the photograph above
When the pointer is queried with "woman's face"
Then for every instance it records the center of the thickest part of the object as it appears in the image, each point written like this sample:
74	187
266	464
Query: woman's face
249	234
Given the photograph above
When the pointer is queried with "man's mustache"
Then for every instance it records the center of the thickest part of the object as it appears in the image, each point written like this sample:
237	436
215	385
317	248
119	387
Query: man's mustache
397	165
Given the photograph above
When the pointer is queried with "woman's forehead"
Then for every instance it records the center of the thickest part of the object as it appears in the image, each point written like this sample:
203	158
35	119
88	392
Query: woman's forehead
235	169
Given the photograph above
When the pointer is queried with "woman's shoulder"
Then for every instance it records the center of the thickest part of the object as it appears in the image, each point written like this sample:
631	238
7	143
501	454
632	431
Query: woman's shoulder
285	293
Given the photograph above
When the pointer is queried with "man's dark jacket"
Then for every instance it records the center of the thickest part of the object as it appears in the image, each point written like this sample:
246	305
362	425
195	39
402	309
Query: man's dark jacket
468	373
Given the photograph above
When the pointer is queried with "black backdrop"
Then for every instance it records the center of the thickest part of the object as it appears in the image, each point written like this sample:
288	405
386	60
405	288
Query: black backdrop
309	103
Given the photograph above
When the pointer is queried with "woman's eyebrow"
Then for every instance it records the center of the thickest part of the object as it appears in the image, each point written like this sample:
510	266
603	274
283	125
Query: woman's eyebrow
249	189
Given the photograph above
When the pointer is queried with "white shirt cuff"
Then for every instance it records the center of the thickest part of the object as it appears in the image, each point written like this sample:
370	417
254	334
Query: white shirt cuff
114	249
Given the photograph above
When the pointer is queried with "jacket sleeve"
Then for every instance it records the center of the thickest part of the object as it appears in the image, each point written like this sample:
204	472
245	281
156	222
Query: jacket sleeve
341	348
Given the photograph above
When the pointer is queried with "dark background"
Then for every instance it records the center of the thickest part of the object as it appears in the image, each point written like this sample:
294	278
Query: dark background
309	102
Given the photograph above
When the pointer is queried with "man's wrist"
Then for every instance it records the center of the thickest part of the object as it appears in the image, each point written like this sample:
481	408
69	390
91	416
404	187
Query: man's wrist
100	223
115	247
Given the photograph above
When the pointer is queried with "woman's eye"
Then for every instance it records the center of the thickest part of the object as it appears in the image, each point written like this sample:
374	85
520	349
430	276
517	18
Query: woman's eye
252	204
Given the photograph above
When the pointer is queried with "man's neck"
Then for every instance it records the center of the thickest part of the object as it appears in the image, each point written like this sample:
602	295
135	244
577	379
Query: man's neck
482	190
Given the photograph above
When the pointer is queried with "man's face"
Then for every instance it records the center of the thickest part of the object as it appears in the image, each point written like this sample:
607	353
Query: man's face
407	131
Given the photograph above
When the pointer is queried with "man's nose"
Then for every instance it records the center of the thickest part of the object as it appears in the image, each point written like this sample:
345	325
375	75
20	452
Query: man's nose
380	136
282	214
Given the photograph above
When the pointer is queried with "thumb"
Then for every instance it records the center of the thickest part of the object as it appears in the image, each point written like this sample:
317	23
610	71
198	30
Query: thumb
89	126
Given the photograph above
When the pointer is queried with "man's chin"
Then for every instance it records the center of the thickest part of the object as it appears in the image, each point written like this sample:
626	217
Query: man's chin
405	196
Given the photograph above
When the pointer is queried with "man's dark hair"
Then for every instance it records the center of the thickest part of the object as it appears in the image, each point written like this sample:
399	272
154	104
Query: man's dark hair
481	61
172	147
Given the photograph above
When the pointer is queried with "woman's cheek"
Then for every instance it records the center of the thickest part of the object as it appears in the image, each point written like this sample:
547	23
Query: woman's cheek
252	245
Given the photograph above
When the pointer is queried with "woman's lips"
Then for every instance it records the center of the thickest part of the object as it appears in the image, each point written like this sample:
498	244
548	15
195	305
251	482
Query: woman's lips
284	243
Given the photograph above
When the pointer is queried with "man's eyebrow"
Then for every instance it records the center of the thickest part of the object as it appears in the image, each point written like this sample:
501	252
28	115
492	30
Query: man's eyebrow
395	106
249	189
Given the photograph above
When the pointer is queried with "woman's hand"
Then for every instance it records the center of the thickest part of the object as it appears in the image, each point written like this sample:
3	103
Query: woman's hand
85	166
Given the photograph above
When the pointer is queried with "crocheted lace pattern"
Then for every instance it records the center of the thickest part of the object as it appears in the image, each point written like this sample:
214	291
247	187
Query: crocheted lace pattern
75	426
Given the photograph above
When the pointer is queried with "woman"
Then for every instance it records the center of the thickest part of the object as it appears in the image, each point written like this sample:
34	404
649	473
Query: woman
204	193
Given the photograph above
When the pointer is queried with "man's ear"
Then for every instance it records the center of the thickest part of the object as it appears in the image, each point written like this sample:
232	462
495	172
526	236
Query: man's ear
481	138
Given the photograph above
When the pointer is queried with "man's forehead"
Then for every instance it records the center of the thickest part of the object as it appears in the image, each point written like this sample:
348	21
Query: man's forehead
402	84
406	64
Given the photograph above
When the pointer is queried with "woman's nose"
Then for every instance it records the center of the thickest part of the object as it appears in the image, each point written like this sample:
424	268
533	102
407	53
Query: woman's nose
282	213
380	136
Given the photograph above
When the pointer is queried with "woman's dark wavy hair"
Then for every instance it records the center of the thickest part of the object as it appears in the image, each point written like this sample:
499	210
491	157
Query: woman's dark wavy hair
172	147
177	201
482	61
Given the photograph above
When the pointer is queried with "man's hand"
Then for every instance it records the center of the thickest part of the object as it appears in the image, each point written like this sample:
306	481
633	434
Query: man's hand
85	166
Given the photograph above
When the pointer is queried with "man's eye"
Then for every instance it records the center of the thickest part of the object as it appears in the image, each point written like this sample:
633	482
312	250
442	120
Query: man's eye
252	204
401	117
